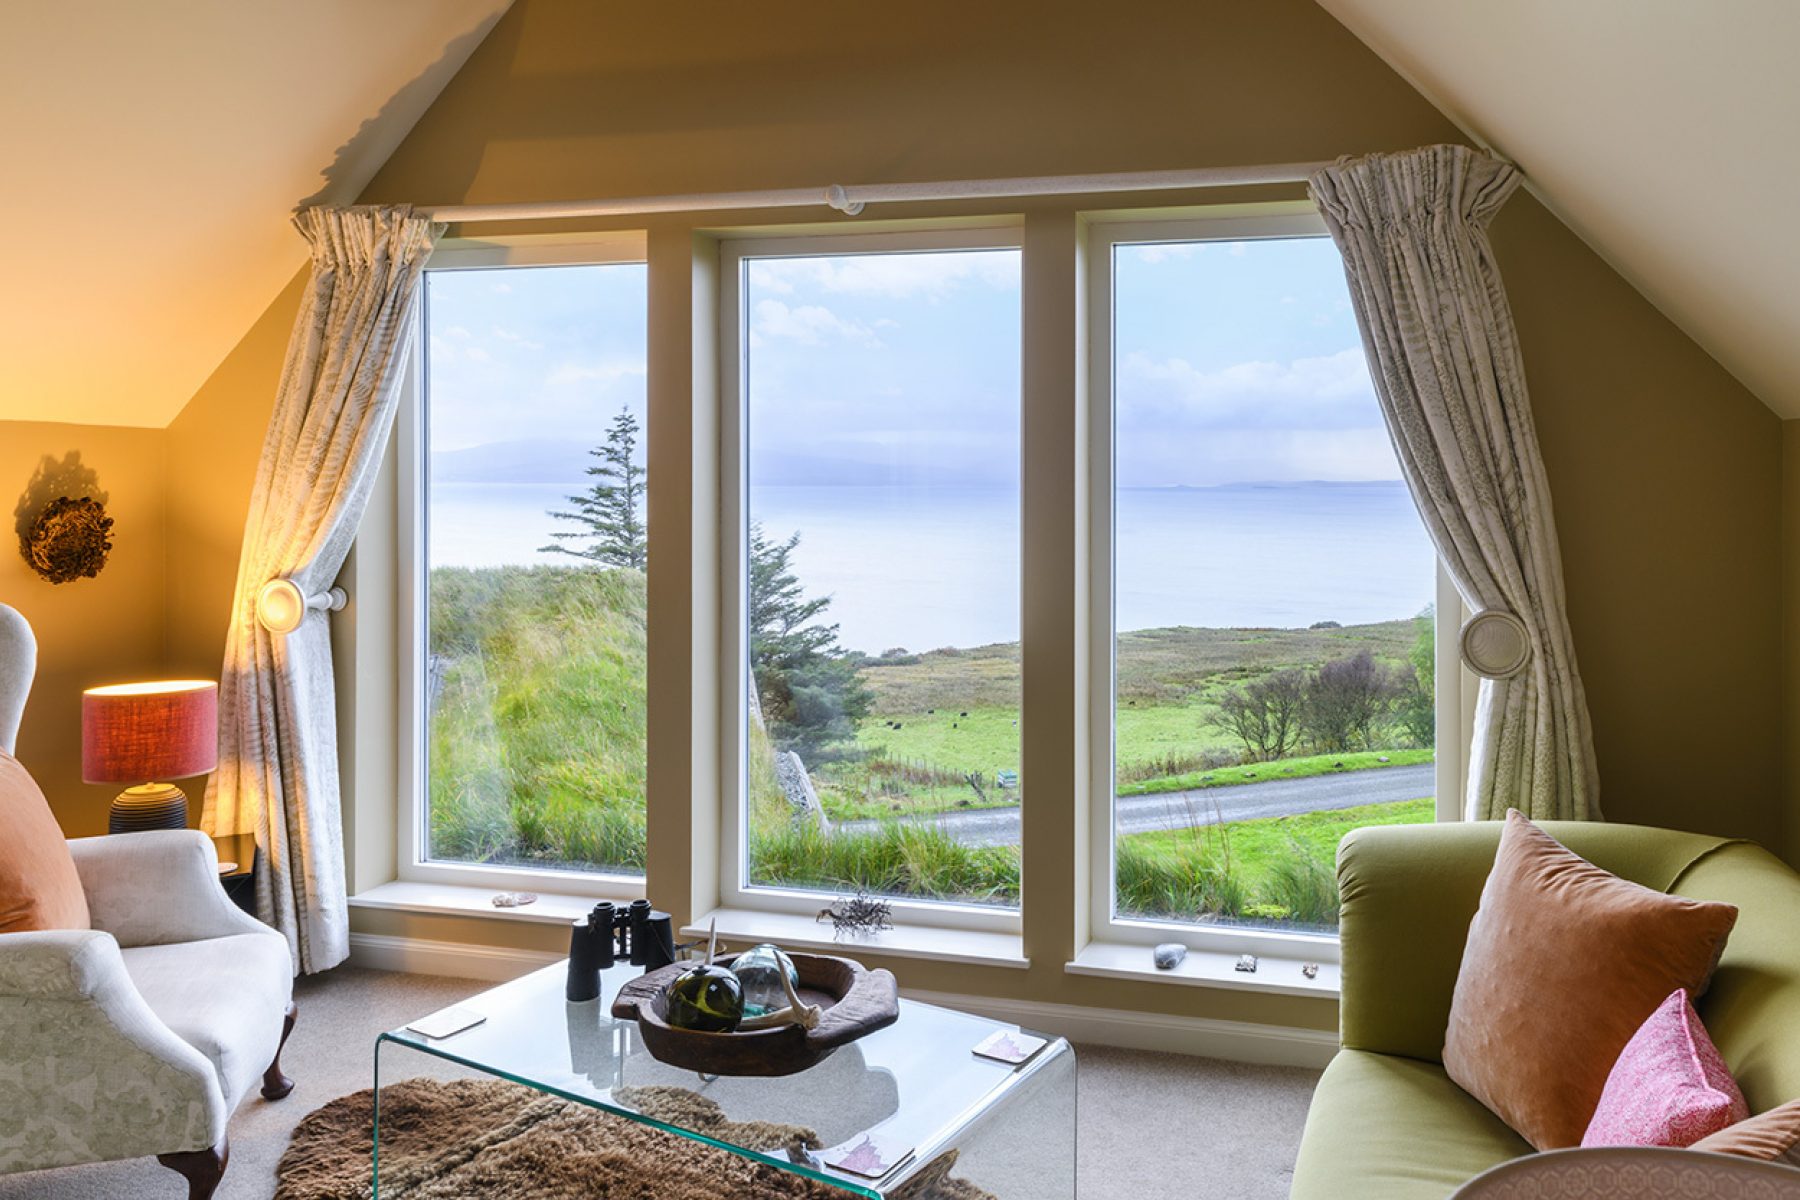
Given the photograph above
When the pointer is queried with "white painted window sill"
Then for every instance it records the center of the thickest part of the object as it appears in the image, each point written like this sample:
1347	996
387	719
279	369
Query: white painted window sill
982	948
1274	975
459	900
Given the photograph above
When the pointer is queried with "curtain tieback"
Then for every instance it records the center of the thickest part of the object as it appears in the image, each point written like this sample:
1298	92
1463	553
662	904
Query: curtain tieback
1495	644
281	605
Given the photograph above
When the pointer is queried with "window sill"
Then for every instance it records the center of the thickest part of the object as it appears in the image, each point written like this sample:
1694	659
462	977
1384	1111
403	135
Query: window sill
795	931
1274	975
459	900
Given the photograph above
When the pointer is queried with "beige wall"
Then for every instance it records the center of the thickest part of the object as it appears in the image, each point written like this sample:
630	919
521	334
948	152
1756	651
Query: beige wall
217	440
1790	633
1667	474
108	629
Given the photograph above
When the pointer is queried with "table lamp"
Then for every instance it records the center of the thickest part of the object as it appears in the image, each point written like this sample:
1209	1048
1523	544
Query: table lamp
142	734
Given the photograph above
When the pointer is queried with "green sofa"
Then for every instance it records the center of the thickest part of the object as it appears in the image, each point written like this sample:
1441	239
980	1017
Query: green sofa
1386	1123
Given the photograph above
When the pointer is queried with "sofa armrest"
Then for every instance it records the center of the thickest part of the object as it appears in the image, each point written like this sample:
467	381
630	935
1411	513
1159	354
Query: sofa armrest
150	889
91	1074
1408	895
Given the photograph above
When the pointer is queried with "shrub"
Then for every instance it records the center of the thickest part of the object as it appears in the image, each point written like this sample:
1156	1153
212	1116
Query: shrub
1347	700
1265	714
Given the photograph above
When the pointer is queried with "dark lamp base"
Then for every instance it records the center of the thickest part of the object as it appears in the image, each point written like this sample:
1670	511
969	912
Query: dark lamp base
152	806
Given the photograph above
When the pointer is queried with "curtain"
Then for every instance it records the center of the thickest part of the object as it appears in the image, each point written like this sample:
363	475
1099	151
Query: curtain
278	767
1444	355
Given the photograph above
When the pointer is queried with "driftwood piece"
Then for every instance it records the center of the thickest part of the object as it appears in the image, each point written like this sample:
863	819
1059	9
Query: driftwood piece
853	1000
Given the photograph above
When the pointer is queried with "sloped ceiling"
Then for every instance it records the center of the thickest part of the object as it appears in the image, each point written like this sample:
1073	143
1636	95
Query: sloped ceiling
1662	131
153	154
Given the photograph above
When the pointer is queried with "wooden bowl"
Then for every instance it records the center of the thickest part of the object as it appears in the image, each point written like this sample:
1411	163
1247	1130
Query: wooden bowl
856	1001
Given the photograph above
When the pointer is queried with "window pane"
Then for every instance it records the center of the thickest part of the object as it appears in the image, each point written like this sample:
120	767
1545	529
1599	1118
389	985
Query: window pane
1273	588
534	676
882	426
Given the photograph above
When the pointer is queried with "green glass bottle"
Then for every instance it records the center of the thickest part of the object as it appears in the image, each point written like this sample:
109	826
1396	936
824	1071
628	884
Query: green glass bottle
705	998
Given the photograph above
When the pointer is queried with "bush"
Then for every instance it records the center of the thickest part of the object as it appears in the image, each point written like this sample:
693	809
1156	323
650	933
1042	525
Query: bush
1347	701
1265	715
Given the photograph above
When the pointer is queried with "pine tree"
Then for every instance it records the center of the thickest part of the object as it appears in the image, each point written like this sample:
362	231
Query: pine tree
808	688
612	509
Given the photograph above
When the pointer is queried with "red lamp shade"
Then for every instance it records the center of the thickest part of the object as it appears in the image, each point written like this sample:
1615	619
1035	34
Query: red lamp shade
149	732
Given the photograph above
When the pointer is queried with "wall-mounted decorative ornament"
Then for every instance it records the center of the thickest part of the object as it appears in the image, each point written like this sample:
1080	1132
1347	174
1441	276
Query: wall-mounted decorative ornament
69	540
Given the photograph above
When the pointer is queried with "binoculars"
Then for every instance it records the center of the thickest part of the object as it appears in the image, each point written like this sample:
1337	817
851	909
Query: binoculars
636	933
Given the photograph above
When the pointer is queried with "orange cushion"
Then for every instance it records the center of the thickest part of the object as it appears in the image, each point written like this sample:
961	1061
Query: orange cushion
39	888
1773	1136
1564	962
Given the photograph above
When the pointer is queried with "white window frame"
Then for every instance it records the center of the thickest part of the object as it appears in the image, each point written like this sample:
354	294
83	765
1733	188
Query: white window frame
1454	686
411	436
735	890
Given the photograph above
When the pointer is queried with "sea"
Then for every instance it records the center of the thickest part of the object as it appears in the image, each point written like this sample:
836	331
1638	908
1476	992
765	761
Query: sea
929	567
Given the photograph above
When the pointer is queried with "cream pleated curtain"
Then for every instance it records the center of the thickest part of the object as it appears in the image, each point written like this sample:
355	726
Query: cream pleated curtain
1445	359
278	767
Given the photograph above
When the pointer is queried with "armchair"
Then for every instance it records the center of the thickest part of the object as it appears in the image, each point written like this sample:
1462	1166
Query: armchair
140	1035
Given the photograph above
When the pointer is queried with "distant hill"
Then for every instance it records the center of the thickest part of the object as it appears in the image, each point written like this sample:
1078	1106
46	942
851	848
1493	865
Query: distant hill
529	460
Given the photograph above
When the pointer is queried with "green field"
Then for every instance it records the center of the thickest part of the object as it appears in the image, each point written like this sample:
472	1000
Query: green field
958	713
537	753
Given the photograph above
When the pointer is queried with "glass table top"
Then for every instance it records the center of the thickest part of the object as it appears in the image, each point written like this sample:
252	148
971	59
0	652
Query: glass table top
914	1086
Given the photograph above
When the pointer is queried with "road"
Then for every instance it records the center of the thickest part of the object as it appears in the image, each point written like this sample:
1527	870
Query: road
1200	806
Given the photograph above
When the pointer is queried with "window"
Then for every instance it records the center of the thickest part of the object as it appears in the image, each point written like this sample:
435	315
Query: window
529	453
1272	644
1262	665
877	541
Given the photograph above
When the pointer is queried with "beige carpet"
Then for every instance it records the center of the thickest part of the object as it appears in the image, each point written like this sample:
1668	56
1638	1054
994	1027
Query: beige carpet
1151	1125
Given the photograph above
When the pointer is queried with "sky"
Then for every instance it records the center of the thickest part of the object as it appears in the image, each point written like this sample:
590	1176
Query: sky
1236	362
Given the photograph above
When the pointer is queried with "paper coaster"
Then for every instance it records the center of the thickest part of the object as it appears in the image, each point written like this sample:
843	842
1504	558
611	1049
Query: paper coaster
445	1022
1010	1046
226	868
870	1155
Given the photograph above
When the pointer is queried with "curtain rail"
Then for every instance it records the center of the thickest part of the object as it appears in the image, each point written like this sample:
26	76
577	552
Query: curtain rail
852	200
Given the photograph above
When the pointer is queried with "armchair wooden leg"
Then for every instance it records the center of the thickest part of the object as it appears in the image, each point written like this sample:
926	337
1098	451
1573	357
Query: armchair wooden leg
276	1086
201	1168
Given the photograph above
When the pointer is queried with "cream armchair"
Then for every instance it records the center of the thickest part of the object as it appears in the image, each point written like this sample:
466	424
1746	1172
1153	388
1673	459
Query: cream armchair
140	1035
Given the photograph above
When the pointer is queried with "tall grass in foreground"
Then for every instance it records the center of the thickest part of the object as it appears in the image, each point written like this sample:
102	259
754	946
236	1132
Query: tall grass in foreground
537	726
898	860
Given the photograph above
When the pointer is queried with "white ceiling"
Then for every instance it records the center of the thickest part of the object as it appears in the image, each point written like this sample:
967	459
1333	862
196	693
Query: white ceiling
1664	132
152	155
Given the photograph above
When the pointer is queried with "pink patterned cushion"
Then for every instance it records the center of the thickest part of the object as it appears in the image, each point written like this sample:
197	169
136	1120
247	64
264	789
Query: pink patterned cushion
1669	1087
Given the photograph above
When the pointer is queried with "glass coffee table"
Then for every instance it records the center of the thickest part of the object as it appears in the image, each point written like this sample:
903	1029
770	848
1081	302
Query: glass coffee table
912	1101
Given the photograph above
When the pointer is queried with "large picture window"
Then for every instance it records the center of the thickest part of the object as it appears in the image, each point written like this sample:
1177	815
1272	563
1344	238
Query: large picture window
1273	638
879	407
533	471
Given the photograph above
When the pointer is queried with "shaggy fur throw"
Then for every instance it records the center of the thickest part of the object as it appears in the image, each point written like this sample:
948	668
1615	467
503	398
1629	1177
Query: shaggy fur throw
501	1141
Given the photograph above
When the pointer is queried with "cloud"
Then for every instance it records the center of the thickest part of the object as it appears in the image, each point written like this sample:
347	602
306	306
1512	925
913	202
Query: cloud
1155	252
518	339
894	275
605	373
1330	391
808	324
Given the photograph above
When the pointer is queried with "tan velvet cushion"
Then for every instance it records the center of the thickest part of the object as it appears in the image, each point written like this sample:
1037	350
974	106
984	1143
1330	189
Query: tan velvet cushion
39	888
1563	963
1773	1136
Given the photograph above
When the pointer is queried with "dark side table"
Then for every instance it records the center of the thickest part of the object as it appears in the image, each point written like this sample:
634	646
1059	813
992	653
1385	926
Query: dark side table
239	882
